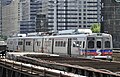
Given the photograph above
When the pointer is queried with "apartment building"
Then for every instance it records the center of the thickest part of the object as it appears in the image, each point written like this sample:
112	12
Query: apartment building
71	14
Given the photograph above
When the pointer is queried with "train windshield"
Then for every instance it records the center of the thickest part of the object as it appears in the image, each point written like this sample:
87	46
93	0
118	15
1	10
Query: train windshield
107	44
98	44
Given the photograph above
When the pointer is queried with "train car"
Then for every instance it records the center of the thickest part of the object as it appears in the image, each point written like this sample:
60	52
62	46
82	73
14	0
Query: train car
92	45
2	45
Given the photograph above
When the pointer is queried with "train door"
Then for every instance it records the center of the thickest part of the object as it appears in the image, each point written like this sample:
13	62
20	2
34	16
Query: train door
15	43
69	46
107	46
29	44
19	47
90	51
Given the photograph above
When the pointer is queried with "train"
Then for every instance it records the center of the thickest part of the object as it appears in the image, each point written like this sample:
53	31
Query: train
93	45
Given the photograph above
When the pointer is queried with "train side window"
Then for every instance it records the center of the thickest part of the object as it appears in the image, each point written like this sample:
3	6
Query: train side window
98	44
64	44
83	44
20	43
56	43
61	43
107	44
77	43
91	44
28	43
38	43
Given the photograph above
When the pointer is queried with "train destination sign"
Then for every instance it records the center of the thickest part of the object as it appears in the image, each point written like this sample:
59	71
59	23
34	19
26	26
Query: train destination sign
117	0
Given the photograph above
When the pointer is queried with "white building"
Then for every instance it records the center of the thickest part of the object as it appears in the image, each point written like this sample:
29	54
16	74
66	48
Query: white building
19	16
10	18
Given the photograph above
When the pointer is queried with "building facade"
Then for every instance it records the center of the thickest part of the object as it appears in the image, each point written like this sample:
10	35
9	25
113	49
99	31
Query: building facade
28	16
110	19
2	3
71	14
10	18
25	16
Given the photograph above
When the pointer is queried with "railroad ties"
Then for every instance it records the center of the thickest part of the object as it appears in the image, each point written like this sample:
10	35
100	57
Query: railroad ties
49	65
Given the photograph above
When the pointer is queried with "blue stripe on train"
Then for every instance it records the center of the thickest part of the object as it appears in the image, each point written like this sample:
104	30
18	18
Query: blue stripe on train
108	50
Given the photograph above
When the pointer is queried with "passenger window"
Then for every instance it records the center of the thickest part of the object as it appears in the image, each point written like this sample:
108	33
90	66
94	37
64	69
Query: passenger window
64	43
20	43
28	43
61	43
91	44
38	43
77	43
83	44
107	44
98	44
58	43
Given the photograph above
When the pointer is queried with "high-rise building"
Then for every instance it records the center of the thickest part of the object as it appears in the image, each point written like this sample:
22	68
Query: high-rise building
28	16
24	16
10	18
2	4
71	14
111	19
19	16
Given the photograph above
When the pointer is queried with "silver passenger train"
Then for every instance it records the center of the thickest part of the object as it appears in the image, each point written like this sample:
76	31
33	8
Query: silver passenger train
88	45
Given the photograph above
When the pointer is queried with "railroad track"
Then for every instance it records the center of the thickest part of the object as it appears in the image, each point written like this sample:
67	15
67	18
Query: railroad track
86	67
80	66
34	71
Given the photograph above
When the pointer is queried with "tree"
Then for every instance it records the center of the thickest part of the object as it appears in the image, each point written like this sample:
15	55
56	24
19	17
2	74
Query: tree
2	38
95	28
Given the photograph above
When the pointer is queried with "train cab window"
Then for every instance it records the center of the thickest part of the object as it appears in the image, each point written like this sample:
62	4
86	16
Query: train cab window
98	44
107	44
91	44
56	43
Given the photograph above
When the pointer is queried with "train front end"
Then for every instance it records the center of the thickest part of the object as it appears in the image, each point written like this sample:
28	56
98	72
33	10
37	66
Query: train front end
99	45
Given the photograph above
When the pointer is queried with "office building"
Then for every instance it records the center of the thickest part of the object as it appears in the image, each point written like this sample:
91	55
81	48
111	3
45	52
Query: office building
71	14
10	18
111	19
28	16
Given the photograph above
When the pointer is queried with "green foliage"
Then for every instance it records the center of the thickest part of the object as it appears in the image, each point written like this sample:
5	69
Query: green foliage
95	28
3	38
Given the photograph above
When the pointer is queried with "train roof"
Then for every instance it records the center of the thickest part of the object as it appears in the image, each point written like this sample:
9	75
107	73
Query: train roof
75	31
64	36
